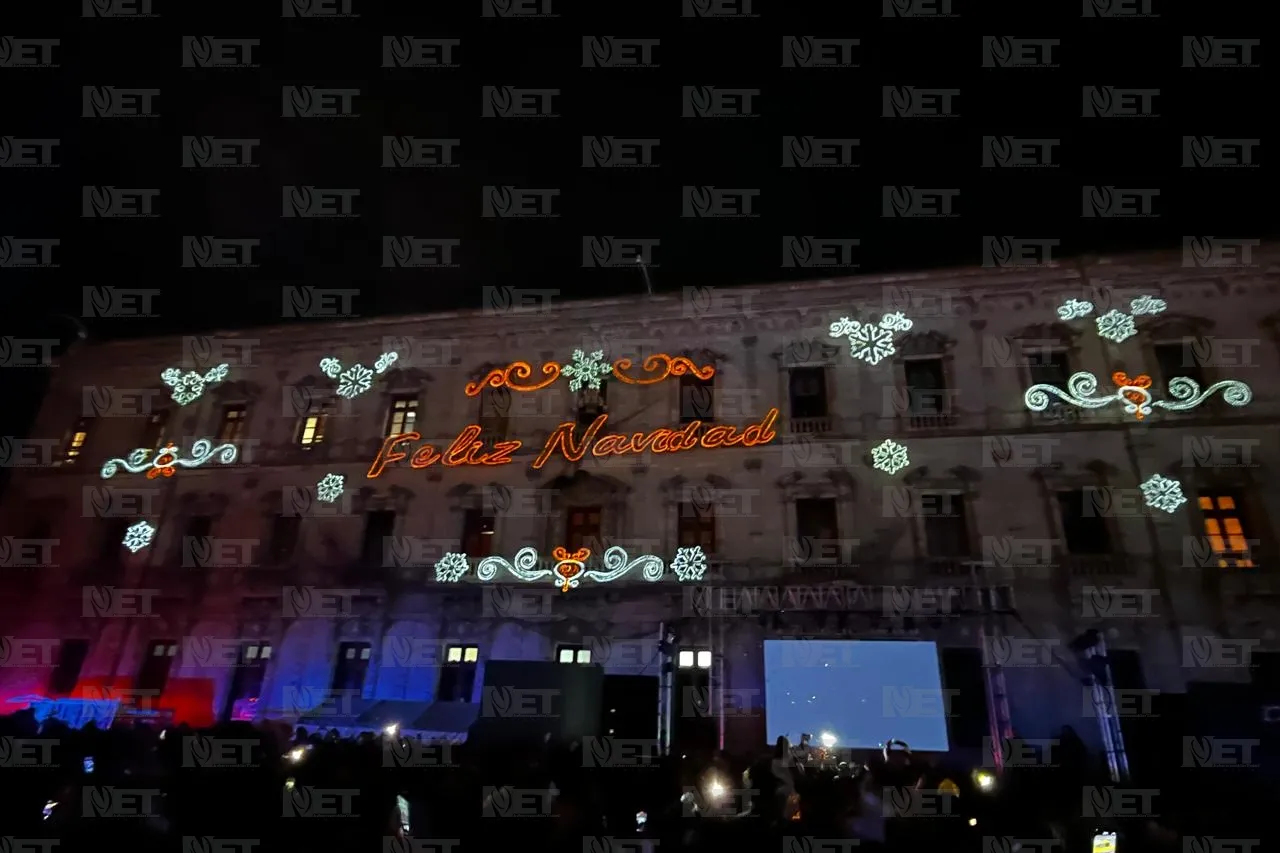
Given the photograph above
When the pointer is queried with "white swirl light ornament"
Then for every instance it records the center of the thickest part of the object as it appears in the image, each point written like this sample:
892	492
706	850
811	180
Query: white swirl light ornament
167	460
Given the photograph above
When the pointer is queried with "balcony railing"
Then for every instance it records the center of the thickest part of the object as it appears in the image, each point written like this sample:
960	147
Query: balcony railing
812	426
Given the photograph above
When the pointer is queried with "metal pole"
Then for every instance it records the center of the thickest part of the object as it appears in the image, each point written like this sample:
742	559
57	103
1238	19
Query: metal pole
1104	703
644	269
719	660
663	697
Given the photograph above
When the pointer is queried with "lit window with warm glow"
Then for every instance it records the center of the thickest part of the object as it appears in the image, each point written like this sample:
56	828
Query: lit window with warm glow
76	443
1224	531
311	429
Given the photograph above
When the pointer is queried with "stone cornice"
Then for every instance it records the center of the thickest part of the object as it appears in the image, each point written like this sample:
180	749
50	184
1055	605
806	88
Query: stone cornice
848	295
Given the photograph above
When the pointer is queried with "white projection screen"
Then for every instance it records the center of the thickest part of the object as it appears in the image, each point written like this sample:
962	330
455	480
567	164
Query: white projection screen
860	692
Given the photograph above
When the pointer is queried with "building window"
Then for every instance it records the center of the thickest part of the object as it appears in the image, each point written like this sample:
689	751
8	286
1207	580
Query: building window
1224	529
402	417
194	549
808	392
379	526
233	421
154	673
573	654
311	427
694	659
1084	532
816	520
946	526
285	531
353	666
1179	359
696	525
77	441
71	657
592	403
111	545
153	432
697	399
1048	367
926	380
458	675
250	672
582	529
495	408
477	533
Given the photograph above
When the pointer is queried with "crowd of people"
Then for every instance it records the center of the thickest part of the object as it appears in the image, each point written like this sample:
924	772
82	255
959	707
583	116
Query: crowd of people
258	787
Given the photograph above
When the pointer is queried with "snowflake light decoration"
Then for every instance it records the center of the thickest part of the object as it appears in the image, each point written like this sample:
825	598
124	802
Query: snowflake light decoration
690	564
889	456
330	487
871	343
1074	309
587	370
451	567
187	387
357	378
138	536
1115	326
1163	494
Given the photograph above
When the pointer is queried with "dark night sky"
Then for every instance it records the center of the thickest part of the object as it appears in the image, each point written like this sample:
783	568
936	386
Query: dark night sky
546	153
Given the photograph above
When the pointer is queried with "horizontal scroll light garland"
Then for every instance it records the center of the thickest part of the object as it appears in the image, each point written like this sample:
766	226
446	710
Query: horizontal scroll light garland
1134	394
515	375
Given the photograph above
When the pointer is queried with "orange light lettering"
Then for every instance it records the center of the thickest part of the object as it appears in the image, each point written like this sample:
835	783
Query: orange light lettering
615	444
562	438
424	457
388	453
463	447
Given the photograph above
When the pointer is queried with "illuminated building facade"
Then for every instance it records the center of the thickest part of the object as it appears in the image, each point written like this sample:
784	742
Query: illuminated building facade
892	476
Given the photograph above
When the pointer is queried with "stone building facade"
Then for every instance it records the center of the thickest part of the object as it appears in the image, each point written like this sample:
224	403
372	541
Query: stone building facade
1009	533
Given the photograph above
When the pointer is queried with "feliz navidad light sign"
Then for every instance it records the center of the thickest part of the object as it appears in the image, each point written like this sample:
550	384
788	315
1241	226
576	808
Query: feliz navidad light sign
586	371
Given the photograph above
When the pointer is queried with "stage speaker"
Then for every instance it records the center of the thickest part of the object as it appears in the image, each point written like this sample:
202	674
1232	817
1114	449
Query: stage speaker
629	707
965	683
524	701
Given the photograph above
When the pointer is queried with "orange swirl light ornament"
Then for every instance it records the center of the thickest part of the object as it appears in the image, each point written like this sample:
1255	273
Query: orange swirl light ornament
501	377
664	365
1122	380
569	566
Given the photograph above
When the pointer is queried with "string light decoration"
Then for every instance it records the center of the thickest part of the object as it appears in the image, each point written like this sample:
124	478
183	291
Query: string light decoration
871	343
570	569
1163	494
188	387
357	378
330	487
1114	326
167	460
587	370
665	366
690	564
889	456
1135	394
517	375
138	536
501	377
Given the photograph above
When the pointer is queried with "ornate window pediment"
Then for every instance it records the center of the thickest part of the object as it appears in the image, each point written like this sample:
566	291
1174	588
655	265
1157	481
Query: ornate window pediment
806	352
1059	334
238	390
924	345
394	499
405	380
1175	327
961	478
835	483
212	504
